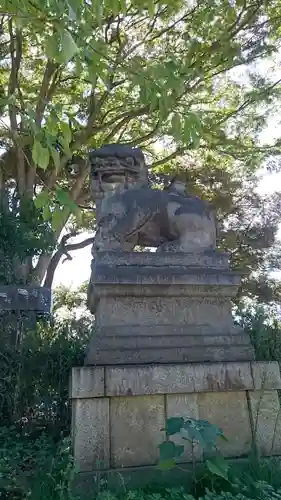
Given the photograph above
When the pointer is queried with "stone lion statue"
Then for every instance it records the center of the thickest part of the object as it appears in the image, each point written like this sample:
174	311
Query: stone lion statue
130	212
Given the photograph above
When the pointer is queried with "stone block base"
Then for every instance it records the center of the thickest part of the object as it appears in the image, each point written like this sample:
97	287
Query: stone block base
119	411
164	308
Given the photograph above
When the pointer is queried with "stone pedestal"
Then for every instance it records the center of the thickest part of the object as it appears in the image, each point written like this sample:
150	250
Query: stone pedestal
164	308
119	411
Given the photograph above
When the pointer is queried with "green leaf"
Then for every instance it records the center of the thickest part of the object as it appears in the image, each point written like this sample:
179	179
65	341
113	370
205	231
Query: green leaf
52	47
56	157
218	467
151	8
98	12
167	464
167	450
174	425
59	217
179	450
41	199
40	155
63	197
176	124
68	47
47	212
66	132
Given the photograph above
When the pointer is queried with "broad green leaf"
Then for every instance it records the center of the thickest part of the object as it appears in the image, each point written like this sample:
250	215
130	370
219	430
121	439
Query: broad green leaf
218	466
167	450
151	8
52	47
68	47
98	12
174	425
40	155
75	4
47	214
42	199
66	132
63	197
56	157
176	124
163	108
59	217
52	125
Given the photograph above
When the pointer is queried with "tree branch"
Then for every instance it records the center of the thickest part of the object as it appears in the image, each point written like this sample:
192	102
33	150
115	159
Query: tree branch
16	56
63	249
50	69
170	157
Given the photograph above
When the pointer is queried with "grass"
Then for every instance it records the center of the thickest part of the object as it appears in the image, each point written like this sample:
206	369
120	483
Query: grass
38	467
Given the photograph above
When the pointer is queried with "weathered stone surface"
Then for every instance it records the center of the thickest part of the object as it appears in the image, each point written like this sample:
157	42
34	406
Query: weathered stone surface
177	275
223	377
136	424
87	382
203	331
154	341
90	432
184	405
266	375
186	283
140	380
229	411
168	355
163	310
131	213
266	418
213	260
178	378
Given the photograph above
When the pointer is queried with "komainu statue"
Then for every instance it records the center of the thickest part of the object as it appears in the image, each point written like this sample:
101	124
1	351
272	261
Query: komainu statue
130	212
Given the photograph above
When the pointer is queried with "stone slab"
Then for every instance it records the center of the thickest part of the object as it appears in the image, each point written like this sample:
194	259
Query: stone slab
266	417
90	433
229	411
223	377
87	382
141	380
168	355
214	260
161	311
164	276
154	341
137	330
178	379
135	426
184	405
166	289
266	375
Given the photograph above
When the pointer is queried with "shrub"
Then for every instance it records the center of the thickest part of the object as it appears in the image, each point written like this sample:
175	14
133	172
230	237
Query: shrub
33	467
34	376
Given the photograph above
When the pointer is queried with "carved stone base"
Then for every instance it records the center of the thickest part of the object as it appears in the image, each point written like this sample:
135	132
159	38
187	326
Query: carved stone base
164	308
119	412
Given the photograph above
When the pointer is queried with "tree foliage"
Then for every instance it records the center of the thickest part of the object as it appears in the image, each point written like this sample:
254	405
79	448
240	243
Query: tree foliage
76	75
